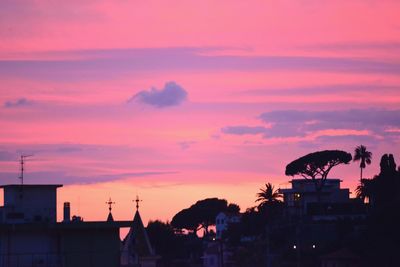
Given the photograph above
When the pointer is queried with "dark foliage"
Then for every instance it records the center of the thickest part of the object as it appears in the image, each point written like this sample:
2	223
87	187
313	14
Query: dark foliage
200	215
268	196
164	241
382	238
186	219
233	208
317	165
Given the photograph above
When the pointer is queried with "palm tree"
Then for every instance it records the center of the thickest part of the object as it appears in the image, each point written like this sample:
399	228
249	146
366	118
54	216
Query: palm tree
268	195
364	190
361	154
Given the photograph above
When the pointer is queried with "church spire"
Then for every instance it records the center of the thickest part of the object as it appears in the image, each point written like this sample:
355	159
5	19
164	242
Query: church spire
110	203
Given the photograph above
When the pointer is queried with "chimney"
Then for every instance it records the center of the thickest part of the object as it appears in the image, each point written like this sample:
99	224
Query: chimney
67	212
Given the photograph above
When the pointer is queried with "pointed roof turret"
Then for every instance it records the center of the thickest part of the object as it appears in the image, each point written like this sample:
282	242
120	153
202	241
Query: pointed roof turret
110	218
136	244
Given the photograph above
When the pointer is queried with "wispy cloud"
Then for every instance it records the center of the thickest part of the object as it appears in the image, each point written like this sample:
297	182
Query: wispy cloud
317	120
243	130
351	46
20	102
44	177
7	156
103	64
331	89
371	123
172	94
186	144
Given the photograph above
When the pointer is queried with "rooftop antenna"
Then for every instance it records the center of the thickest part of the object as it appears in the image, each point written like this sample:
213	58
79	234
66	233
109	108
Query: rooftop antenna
137	202
22	162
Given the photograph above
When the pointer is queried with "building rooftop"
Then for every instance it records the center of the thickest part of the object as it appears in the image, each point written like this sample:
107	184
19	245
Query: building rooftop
70	225
31	185
303	180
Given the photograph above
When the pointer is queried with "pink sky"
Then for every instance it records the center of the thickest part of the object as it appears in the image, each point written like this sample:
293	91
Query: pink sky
241	89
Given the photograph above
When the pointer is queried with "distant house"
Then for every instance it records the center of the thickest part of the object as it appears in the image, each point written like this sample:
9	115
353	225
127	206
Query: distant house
223	220
302	200
31	236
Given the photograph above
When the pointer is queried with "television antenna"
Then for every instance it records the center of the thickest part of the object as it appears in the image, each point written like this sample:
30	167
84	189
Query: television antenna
22	163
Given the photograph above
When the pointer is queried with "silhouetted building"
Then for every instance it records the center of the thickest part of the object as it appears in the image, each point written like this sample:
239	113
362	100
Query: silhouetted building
31	236
303	192
29	204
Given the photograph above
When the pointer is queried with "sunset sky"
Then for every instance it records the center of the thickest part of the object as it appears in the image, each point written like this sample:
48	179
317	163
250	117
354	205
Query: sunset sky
177	101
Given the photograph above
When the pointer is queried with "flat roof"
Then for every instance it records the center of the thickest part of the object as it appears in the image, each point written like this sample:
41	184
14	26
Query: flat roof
66	225
31	185
311	180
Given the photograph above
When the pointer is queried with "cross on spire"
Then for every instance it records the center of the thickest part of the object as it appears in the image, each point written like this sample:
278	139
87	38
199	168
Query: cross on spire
137	200
110	203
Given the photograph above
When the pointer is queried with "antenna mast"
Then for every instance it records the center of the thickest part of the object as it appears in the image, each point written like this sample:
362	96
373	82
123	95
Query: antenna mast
22	162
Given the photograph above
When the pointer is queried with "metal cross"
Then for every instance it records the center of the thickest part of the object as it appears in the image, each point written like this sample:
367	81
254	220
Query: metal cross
137	202
110	203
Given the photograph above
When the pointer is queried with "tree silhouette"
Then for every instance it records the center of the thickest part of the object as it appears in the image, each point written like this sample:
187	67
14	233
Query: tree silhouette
186	219
267	195
361	154
233	208
317	165
200	215
165	242
383	232
364	189
207	210
386	186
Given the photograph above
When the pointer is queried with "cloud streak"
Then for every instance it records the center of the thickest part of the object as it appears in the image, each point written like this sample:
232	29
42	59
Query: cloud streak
44	177
20	102
370	123
243	130
102	64
331	89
